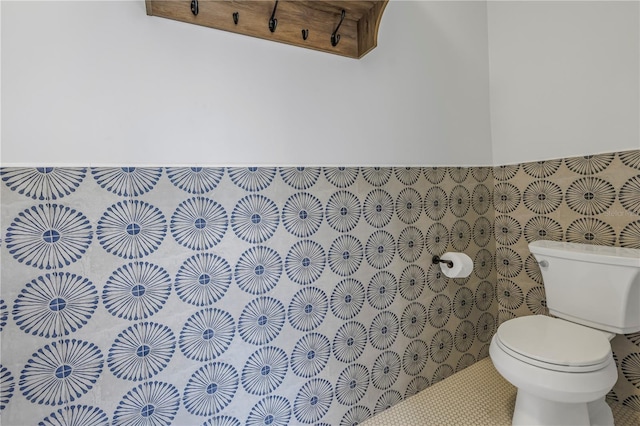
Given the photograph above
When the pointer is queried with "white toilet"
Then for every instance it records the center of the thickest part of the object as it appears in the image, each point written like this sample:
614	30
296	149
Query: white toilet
563	367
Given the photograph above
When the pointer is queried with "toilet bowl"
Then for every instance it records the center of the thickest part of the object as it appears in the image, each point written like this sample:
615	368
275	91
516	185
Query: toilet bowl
562	371
562	364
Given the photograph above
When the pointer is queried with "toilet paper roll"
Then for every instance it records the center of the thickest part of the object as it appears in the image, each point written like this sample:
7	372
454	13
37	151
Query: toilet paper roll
462	265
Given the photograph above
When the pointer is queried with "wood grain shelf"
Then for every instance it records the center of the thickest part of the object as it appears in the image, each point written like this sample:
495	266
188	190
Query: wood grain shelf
358	31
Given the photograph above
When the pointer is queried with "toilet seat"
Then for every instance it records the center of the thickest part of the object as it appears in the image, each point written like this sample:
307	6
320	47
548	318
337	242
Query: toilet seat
554	344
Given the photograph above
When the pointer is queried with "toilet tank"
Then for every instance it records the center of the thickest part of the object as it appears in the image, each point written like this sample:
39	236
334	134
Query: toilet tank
597	286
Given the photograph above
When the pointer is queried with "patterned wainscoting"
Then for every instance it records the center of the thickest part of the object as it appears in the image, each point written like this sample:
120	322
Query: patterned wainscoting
593	200
228	296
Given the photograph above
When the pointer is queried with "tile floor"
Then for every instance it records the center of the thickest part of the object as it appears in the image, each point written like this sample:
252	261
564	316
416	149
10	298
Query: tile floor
475	396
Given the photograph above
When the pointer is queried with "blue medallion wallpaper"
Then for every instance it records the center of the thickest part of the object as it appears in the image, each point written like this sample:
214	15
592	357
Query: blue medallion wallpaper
237	296
278	295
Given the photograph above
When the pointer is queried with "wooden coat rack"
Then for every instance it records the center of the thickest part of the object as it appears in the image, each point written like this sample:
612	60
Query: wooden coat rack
342	27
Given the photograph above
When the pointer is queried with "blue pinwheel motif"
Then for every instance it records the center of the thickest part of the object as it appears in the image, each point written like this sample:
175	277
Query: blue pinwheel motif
199	223
378	208
415	357
55	304
4	314
387	400
136	291
222	421
195	180
485	327
435	174
7	386
347	298
61	372
345	255
435	203
302	214
127	181
460	200
376	176
313	401
408	175
310	355
305	262
352	384
439	310
43	183
417	384
149	404
349	342
252	179
203	279
413	320
341	177
355	416
300	177
384	330
49	236
382	290
459	174
412	282
385	370
207	334
410	244
255	218
261	320
343	211
441	373
141	351
409	205
380	249
441	346
628	367
272	410
264	371
210	389
436	239
76	415
131	229
258	270
308	308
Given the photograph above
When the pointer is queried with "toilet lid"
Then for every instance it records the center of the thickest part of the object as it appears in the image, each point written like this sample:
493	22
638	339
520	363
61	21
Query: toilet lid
555	344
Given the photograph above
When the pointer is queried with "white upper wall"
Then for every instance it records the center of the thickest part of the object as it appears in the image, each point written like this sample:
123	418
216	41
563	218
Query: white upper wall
565	78
87	82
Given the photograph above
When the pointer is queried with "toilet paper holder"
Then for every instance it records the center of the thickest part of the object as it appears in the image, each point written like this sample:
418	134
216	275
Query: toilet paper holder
436	259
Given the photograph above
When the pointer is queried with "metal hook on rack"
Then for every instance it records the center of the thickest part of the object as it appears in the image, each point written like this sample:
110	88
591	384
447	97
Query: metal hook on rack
194	7
236	17
273	22
335	37
305	33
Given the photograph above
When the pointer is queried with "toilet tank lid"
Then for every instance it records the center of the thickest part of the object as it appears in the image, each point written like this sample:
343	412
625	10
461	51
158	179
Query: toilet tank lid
587	252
